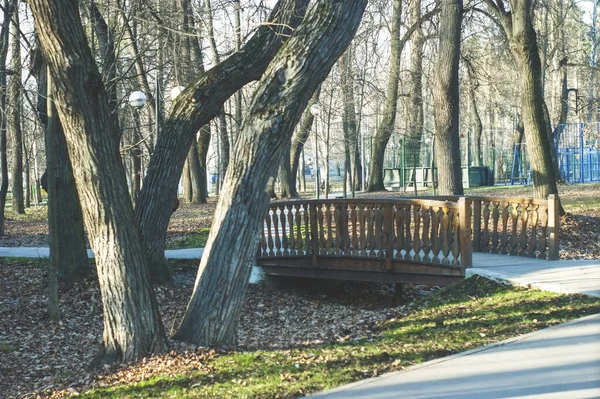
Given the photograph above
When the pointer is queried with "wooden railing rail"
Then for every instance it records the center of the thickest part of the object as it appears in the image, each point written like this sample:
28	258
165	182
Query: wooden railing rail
426	232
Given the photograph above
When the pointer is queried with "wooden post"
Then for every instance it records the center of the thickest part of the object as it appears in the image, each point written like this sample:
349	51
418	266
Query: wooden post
476	225
466	245
388	230
314	233
553	226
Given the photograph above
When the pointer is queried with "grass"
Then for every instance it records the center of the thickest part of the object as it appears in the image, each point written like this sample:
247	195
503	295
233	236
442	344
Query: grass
473	313
192	240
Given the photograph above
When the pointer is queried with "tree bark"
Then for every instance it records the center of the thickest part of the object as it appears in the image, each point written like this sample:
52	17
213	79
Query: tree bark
475	117
446	100
349	124
68	251
132	325
212	315
523	44
4	43
14	119
386	128
194	108
414	136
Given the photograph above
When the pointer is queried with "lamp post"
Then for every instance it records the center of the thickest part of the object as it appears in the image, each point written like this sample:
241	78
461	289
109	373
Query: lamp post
315	111
137	100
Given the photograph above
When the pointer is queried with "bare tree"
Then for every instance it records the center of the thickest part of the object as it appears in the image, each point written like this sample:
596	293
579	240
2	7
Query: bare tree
301	65
15	94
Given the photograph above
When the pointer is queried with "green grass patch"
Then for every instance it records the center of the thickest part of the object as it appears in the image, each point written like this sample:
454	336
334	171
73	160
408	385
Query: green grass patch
192	240
473	313
5	347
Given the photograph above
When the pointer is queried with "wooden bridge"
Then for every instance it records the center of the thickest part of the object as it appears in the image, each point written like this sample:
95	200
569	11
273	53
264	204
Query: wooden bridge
424	240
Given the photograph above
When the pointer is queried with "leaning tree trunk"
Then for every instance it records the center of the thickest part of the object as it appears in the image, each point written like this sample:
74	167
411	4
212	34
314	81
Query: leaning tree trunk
523	44
446	100
132	325
386	127
212	315
4	35
14	118
191	110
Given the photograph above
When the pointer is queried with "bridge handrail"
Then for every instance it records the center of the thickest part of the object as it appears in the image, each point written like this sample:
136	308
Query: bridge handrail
408	230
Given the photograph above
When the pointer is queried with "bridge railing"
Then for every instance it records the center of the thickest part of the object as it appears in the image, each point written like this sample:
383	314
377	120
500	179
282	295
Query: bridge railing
420	231
514	226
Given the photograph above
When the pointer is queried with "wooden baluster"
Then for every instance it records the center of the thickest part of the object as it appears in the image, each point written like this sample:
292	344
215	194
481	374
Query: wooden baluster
435	234
523	234
290	226
378	219
504	239
495	220
485	236
514	217
276	233
284	235
388	231
270	246
363	230
455	230
531	250
298	220
446	217
426	214
407	233
329	234
399	224
477	225
371	216
314	233
322	227
416	232
355	236
308	229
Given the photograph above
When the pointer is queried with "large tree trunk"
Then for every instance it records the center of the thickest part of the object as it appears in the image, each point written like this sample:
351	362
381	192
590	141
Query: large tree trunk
14	119
4	42
446	100
414	136
212	315
132	326
68	251
194	108
523	44
386	127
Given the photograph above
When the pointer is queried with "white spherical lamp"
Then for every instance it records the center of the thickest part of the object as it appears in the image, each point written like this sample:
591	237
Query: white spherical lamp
137	99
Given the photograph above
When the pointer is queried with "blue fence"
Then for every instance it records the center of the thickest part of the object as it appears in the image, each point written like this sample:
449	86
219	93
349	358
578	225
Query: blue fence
578	151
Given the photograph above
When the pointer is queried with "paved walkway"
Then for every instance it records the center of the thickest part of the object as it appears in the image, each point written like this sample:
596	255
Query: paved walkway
562	276
561	362
44	252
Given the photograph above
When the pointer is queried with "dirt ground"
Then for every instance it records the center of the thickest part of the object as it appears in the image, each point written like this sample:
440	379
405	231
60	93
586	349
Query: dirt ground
38	358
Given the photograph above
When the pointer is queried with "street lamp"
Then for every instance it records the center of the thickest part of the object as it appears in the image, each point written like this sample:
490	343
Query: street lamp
137	99
315	110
